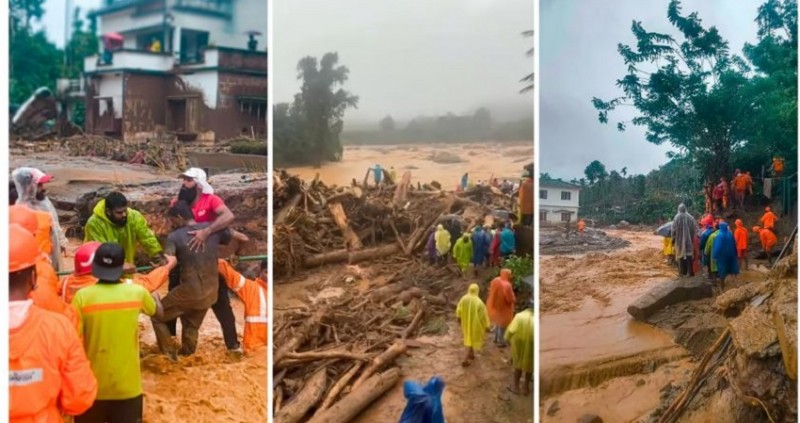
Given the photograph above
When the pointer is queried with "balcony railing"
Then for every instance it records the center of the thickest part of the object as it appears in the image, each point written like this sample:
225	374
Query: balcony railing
216	7
130	59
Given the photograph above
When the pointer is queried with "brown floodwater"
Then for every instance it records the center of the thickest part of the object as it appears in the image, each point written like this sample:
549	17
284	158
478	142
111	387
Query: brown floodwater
481	160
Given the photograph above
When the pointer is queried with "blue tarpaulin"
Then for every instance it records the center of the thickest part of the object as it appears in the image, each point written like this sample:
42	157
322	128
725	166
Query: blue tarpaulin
424	403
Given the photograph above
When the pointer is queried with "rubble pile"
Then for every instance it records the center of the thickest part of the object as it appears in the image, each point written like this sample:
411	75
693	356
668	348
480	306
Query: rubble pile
558	240
163	154
318	224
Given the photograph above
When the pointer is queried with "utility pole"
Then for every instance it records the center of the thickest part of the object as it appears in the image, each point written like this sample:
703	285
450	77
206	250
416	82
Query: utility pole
67	14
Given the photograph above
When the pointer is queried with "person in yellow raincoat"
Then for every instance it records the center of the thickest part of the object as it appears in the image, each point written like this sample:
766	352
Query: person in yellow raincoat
462	252
442	239
668	250
474	320
520	335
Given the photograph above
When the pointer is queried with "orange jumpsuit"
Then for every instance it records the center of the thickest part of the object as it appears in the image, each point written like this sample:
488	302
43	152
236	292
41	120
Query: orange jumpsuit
768	219
581	226
43	230
72	283
526	196
45	295
501	300
254	295
49	373
768	239
740	235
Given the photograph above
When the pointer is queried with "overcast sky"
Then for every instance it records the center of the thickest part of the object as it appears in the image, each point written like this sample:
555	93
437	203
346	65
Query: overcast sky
410	57
54	13
579	60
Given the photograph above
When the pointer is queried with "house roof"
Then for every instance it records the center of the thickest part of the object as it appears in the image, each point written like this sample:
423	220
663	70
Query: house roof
557	183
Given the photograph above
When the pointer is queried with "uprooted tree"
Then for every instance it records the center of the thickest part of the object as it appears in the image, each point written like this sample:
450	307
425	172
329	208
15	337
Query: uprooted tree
307	131
705	101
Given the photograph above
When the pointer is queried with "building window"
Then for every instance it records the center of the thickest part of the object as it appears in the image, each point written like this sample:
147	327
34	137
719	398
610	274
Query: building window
566	195
193	45
543	215
543	194
565	217
253	106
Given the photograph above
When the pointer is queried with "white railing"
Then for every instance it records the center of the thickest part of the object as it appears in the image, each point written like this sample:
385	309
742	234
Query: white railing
130	59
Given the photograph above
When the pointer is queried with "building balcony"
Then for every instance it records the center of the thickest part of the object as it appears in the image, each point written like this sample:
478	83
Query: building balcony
221	8
70	88
129	60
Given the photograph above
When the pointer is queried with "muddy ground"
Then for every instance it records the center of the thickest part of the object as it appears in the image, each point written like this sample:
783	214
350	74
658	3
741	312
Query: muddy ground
611	365
208	387
554	240
479	159
474	394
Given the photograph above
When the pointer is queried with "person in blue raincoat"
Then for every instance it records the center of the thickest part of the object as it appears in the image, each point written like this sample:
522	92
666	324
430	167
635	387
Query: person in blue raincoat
724	253
706	260
424	403
378	173
508	241
479	247
464	181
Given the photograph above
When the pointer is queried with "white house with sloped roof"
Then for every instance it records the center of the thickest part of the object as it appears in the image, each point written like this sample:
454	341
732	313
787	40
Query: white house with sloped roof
558	201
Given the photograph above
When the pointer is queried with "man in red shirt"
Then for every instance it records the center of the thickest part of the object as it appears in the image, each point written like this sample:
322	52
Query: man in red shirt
207	207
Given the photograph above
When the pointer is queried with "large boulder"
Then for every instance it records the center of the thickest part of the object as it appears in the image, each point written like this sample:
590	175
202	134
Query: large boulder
669	293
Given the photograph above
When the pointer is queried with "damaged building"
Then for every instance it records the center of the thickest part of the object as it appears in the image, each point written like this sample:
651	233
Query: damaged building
194	69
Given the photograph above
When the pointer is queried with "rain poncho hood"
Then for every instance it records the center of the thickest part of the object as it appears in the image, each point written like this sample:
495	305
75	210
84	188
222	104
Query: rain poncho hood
501	300
703	241
474	319
442	238
100	228
199	177
724	252
462	252
424	403
684	229
25	182
480	244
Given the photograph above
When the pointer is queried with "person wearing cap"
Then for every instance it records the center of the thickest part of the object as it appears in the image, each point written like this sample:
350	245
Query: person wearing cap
768	220
253	293
29	183
82	277
207	208
199	282
113	221
45	294
49	374
526	199
520	335
768	241
109	314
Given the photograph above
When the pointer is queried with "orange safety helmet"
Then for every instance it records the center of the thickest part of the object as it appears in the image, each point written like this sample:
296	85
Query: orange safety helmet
23	216
23	250
84	257
756	229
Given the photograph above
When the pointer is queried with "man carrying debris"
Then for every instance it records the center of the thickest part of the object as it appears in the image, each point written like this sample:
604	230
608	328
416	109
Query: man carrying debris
113	221
684	229
29	183
49	375
768	241
253	293
109	315
199	282
520	335
500	305
471	314
207	207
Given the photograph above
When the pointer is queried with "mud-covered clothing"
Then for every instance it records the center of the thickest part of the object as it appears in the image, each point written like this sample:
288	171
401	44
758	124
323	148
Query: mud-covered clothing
74	283
205	208
520	335
100	228
116	411
253	293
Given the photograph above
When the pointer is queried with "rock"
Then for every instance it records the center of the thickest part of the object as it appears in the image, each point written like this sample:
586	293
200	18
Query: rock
640	382
590	418
754	334
612	227
623	224
669	293
553	409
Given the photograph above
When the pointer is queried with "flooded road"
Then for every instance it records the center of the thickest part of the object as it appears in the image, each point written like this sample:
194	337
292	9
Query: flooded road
481	160
593	356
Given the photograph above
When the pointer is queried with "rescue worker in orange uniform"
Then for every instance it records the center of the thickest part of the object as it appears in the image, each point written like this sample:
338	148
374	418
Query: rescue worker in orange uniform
777	166
49	374
768	220
768	241
741	183
581	227
45	294
82	277
254	295
526	199
740	236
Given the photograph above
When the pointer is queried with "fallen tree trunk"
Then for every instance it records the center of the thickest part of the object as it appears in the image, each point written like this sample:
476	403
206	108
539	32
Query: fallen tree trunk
299	338
350	406
340	217
373	253
388	356
308	397
414	323
322	355
317	260
284	212
338	388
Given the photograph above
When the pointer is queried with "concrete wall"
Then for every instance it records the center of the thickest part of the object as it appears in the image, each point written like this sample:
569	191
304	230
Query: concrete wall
145	106
554	214
554	197
206	82
111	85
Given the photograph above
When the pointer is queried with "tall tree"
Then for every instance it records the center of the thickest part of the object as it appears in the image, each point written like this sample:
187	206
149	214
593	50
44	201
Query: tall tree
691	93
22	12
595	171
82	43
387	123
527	79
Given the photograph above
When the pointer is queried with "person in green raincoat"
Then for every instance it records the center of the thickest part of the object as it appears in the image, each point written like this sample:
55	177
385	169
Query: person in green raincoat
442	239
709	248
114	222
520	335
474	320
462	252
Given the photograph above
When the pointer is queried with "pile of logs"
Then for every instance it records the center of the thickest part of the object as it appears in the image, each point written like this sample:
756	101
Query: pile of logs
315	224
161	153
332	363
